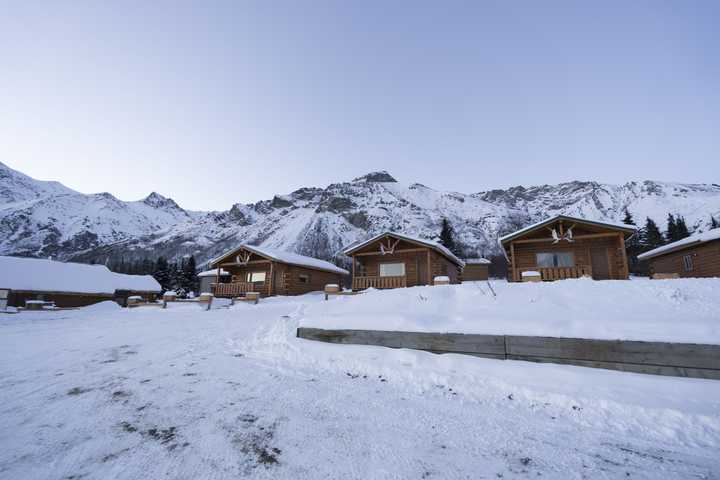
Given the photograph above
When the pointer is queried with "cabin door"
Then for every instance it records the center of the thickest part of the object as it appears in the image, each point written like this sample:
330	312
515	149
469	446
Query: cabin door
600	265
421	270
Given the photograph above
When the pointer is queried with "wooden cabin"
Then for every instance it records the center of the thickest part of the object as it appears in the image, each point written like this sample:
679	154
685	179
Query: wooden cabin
475	269
394	260
567	247
695	256
271	272
67	284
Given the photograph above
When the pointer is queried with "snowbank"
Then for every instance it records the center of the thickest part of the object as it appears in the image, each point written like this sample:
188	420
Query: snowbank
652	310
35	274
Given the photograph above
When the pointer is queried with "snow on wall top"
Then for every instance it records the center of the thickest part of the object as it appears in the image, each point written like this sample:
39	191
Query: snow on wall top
529	228
19	273
428	243
287	257
697	238
212	273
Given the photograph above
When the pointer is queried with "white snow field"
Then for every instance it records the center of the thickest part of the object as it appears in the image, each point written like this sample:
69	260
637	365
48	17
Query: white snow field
110	393
682	310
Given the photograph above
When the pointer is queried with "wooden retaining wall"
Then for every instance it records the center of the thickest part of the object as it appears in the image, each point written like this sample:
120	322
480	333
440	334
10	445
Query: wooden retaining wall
656	358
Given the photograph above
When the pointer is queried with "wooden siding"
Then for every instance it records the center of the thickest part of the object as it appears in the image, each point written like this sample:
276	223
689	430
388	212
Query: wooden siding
367	267
705	258
17	298
284	279
525	255
474	272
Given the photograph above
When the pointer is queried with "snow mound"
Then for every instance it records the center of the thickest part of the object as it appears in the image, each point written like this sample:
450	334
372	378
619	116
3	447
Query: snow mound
667	311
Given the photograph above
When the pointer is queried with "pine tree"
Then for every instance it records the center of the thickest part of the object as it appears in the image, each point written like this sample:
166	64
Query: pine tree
651	236
681	229
162	273
713	223
189	275
671	232
633	244
447	236
628	219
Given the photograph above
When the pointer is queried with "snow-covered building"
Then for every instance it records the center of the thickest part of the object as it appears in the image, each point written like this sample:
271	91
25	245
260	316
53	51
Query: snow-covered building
695	256
271	272
395	260
69	284
475	269
563	247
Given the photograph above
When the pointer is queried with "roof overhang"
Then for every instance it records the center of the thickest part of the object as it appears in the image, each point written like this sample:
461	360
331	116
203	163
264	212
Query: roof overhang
628	230
416	241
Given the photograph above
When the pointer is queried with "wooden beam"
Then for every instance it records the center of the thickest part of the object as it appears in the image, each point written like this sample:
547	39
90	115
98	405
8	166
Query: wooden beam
235	264
577	237
429	267
405	250
512	261
623	253
272	280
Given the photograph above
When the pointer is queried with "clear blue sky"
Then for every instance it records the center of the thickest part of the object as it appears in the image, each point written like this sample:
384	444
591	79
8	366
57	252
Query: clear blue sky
215	102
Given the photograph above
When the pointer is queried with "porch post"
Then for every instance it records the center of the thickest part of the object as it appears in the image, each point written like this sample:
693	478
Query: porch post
512	261
623	253
352	279
272	280
429	267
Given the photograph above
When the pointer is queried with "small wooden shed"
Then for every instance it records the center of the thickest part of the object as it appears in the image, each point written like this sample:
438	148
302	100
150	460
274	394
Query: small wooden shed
695	256
395	260
475	269
563	247
209	277
271	272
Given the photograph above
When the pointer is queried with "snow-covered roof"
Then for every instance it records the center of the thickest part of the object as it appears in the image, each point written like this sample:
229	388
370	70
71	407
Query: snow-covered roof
547	221
695	239
212	273
428	243
477	261
20	273
285	257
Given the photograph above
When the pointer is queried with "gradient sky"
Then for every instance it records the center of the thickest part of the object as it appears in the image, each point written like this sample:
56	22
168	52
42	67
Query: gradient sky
215	102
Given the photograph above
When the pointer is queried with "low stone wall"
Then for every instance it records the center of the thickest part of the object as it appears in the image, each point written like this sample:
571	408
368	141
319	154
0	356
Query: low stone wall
656	358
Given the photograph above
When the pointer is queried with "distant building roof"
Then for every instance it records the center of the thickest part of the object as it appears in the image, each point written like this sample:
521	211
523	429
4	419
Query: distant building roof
695	239
476	261
428	243
285	257
33	274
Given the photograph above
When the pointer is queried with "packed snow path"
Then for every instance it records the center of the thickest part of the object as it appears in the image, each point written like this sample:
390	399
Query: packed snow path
185	394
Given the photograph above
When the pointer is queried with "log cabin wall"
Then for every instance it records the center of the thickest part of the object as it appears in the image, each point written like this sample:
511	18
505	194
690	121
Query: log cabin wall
416	266
526	254
298	280
705	261
369	265
475	271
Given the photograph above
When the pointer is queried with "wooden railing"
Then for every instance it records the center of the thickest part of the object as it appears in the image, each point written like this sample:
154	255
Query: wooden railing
556	273
361	283
235	289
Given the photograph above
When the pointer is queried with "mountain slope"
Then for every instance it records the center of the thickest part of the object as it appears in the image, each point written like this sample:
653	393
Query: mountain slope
45	218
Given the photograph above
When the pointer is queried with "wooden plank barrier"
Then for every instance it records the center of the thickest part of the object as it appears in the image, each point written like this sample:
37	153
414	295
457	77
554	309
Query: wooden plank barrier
656	358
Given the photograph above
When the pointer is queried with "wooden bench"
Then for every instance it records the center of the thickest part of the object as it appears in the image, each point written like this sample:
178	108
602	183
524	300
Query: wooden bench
665	276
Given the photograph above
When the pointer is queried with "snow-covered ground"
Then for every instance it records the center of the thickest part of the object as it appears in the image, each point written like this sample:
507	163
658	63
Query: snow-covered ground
181	393
686	310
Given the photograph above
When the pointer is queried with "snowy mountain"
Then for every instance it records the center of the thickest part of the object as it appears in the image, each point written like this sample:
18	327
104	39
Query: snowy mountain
45	218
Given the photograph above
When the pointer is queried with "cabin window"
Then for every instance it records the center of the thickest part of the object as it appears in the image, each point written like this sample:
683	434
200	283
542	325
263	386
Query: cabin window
256	277
392	269
304	278
688	263
555	259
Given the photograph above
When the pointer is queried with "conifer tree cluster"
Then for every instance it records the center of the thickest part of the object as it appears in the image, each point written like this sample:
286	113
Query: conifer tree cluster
447	238
650	237
180	276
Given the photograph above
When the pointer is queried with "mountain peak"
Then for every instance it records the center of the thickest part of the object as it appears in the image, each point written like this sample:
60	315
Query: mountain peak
159	201
381	176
